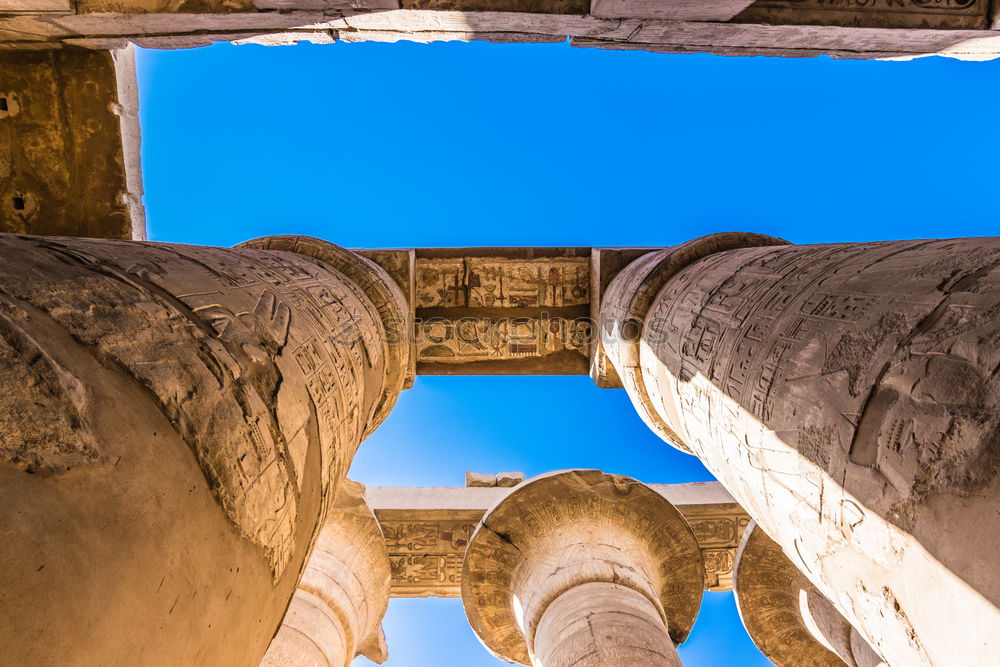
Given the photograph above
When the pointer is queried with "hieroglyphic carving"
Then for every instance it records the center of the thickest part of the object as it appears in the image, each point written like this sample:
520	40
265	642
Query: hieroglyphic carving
194	411
438	575
713	531
426	550
456	282
718	529
384	301
490	282
516	310
444	536
718	562
766	320
222	339
426	546
841	393
470	339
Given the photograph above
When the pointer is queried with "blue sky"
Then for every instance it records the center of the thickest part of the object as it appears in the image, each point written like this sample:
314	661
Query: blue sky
449	144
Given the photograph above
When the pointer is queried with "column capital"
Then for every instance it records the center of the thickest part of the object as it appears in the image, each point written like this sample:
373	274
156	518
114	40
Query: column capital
626	304
846	395
336	612
384	294
789	620
566	529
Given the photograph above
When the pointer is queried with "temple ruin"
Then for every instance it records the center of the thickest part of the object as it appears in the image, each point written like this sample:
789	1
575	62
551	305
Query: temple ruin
844	395
850	417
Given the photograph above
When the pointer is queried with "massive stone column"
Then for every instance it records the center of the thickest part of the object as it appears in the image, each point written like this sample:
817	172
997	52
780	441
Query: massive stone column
585	569
336	611
847	397
791	622
174	421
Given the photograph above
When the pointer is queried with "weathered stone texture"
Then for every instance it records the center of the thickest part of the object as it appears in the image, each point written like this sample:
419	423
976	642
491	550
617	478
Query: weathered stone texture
427	531
35	6
383	300
726	38
582	568
840	28
199	407
947	14
789	620
601	623
676	10
69	144
502	310
525	6
337	608
847	396
793	41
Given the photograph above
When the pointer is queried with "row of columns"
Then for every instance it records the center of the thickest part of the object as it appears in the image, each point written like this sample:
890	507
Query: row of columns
573	568
185	418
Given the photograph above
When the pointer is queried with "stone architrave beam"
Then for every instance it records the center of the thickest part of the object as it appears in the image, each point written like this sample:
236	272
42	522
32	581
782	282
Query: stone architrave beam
847	395
793	28
182	417
578	568
427	530
506	311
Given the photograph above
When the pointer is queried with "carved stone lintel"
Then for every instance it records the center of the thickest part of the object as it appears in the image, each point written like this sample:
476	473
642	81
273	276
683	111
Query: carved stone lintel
948	14
428	529
502	310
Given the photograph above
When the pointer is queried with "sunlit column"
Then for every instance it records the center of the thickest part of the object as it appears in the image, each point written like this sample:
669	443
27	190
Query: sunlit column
173	422
791	622
847	397
582	568
336	611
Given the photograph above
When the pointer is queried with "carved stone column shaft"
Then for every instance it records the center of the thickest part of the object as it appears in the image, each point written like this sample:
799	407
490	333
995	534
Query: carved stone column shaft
847	395
601	623
335	612
173	423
